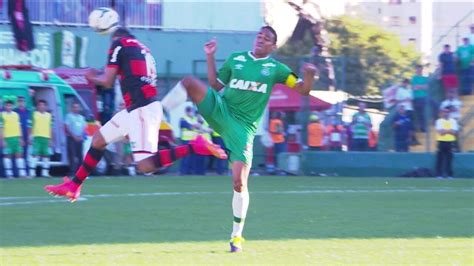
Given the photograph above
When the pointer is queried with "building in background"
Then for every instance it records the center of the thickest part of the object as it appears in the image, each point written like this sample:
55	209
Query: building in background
221	15
427	24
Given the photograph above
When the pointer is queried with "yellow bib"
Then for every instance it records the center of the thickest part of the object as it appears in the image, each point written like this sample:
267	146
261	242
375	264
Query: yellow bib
41	124
188	134
11	124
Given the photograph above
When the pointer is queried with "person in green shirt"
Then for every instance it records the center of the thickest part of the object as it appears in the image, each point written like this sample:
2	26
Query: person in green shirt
419	84
465	57
361	126
247	79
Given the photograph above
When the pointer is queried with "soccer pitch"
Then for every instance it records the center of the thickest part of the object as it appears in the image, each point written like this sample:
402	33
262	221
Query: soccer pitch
291	220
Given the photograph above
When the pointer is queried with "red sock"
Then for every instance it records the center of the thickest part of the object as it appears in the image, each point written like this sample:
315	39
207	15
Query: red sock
91	160
167	157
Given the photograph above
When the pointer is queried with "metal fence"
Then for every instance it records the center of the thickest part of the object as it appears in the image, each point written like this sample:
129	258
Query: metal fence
133	13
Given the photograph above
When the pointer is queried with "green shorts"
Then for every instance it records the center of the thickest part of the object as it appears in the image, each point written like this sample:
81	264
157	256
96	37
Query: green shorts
237	136
40	146
12	146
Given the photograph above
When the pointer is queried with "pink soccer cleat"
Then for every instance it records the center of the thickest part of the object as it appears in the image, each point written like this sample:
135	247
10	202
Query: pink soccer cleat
202	146
67	189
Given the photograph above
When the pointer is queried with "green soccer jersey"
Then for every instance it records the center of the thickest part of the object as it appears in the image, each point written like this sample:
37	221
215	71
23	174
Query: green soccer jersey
248	84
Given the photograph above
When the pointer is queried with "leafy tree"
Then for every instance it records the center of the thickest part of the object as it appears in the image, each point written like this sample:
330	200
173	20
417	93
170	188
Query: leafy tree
374	57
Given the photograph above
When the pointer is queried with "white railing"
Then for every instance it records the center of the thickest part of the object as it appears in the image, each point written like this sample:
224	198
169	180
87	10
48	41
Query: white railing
134	13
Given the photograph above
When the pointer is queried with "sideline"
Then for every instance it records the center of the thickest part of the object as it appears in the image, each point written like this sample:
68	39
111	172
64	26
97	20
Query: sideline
10	201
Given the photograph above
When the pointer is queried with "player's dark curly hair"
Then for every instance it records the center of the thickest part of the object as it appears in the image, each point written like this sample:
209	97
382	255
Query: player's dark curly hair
272	30
122	32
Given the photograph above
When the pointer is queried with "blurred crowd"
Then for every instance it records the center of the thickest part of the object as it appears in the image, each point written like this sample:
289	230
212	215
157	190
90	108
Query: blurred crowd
323	133
193	124
417	111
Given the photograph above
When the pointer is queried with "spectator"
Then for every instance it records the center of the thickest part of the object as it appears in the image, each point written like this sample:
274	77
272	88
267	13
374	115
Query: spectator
361	126
419	84
335	133
10	135
122	157
471	42
349	136
448	69
293	144
41	138
446	129
403	129
315	133
107	96
277	132
373	140
188	125
404	97
127	157
453	104
471	36
75	126
25	121
465	57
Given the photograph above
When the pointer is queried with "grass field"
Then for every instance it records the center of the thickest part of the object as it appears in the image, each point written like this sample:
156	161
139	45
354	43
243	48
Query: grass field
291	220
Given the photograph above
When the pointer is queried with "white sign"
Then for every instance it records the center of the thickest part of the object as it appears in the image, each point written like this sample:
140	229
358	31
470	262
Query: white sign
39	57
68	51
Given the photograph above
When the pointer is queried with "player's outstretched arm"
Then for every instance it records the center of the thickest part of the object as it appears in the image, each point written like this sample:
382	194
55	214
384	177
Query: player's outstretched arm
305	86
210	49
105	80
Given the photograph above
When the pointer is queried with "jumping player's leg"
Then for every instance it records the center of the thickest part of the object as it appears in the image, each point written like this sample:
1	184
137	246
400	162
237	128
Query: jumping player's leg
114	130
188	86
144	140
166	157
145	122
197	91
92	158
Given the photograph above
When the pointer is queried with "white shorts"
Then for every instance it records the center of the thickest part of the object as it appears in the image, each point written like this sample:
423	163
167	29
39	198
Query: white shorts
142	126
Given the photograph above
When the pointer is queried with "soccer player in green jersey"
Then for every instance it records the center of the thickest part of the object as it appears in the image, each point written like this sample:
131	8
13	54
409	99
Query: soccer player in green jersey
247	79
11	136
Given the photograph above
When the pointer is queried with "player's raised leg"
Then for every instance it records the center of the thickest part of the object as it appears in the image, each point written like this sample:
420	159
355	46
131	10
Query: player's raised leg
166	157
188	86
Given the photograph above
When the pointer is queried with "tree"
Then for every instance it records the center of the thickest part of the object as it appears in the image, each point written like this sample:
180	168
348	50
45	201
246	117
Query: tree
374	57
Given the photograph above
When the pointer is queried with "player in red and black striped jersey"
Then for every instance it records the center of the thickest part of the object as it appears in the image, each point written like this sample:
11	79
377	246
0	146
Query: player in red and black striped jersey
136	69
133	63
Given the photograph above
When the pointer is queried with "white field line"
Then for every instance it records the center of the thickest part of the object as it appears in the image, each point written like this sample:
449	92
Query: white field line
7	201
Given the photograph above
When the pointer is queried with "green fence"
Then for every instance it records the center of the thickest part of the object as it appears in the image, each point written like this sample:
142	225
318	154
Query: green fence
370	164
